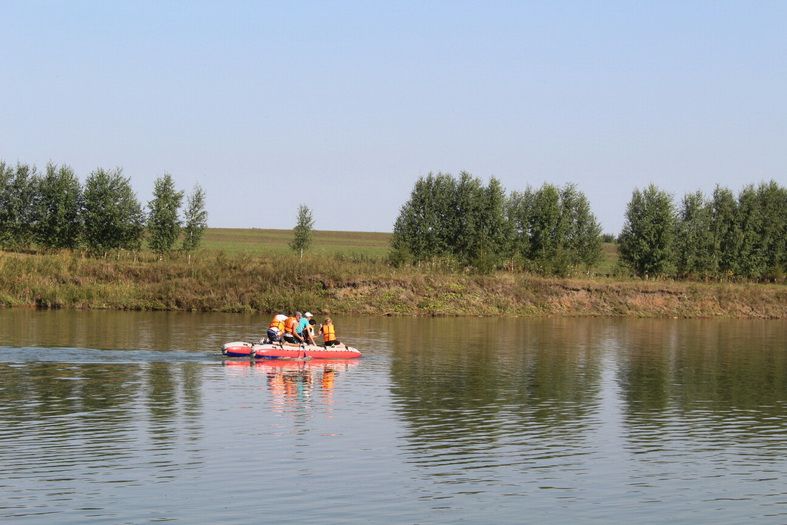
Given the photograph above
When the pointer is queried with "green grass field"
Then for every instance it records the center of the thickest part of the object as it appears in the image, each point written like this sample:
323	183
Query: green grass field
261	242
371	245
608	262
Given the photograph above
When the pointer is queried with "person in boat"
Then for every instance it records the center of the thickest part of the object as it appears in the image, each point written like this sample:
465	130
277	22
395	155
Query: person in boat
312	324
276	328
328	332
304	328
290	330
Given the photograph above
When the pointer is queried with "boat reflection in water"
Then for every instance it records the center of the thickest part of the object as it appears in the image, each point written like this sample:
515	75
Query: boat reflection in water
293	382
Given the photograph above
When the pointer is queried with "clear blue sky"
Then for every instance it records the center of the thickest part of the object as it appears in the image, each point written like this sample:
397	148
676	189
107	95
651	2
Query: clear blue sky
343	105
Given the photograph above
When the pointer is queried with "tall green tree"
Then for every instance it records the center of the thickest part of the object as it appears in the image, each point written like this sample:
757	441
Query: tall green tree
477	225
195	219
725	233
6	211
113	218
648	236
494	227
18	205
547	231
460	219
519	210
694	243
59	223
303	230
562	232
583	238
426	225
773	234
163	219
751	220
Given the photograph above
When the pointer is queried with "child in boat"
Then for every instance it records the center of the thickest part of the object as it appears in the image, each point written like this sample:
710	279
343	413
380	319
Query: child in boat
328	332
310	329
304	328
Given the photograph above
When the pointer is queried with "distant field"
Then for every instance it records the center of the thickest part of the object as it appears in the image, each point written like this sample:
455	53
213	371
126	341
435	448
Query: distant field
258	241
609	259
368	244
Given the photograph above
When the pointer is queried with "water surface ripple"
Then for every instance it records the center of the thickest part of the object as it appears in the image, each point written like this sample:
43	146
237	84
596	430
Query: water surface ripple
110	417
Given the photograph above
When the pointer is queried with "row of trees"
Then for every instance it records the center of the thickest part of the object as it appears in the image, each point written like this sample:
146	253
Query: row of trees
550	230
54	211
721	237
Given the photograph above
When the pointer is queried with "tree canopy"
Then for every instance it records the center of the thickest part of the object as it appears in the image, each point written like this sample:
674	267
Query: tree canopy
551	230
113	217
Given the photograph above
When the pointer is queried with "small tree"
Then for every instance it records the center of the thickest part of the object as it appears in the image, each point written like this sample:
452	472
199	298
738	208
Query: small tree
303	230
195	219
112	215
163	221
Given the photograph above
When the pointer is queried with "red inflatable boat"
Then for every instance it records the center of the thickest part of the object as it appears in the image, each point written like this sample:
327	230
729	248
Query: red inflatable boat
288	351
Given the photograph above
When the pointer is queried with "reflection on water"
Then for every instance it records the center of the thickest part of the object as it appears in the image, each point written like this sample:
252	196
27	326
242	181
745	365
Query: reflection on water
528	395
706	407
293	383
443	420
651	412
69	429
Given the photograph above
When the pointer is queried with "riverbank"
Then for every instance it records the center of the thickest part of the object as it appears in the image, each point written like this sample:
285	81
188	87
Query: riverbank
347	285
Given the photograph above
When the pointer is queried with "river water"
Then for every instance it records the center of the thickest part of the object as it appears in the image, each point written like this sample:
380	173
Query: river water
118	417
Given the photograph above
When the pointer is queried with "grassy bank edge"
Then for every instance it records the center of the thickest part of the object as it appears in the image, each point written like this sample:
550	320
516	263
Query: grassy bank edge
340	285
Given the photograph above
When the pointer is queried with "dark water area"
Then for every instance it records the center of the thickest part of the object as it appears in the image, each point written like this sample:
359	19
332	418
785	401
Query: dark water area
126	417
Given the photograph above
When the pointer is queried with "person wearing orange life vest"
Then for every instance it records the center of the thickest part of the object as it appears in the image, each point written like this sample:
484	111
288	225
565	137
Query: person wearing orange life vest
290	330
276	328
328	332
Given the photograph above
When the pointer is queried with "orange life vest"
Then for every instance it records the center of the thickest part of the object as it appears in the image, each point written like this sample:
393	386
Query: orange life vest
328	333
289	325
277	324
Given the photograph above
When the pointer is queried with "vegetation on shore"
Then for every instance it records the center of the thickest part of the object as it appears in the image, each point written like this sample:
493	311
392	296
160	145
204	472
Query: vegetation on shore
553	231
459	247
53	211
352	282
